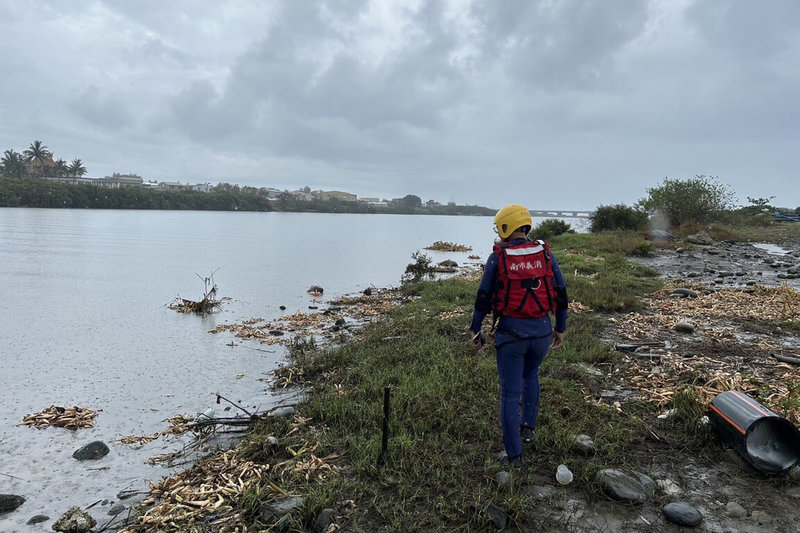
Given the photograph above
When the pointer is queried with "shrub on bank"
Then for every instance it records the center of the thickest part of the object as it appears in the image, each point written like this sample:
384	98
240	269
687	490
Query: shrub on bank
699	199
617	217
547	229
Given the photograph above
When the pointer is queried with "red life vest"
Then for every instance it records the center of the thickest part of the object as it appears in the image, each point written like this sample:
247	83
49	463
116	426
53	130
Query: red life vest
525	284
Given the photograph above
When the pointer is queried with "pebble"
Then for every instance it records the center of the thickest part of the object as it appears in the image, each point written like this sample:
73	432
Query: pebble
682	514
503	479
584	444
735	510
684	327
761	517
324	519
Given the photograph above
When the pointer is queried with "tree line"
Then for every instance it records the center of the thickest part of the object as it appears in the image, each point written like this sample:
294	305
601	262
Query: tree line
35	192
37	162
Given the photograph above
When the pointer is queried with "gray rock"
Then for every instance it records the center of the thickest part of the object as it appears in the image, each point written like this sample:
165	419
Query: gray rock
542	492
116	509
682	514
283	412
497	516
448	263
719	281
761	517
94	450
725	273
9	502
713	251
626	485
584	444
276	512
693	275
735	510
503	479
684	327
689	293
325	518
700	238
76	520
37	519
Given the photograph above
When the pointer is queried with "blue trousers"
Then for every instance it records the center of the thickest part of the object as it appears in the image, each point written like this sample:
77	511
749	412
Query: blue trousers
518	364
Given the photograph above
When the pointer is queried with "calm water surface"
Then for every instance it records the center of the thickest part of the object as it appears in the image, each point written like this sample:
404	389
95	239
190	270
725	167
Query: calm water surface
84	321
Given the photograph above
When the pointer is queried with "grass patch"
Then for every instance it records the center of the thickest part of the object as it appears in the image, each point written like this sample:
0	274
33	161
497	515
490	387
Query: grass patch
439	470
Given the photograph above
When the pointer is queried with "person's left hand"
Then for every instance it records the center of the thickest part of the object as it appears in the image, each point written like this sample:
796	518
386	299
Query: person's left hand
558	340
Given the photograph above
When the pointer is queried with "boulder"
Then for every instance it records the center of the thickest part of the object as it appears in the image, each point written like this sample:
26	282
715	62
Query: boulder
700	238
93	450
626	485
76	520
9	502
682	514
278	511
325	518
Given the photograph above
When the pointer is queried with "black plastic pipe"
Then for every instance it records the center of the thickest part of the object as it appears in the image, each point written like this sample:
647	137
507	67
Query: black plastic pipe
764	439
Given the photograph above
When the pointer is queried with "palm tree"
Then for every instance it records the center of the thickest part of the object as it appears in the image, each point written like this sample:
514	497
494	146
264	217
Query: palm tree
37	156
76	168
12	165
60	168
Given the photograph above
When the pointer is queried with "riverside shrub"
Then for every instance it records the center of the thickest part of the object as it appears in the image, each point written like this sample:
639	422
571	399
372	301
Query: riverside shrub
547	229
617	217
699	199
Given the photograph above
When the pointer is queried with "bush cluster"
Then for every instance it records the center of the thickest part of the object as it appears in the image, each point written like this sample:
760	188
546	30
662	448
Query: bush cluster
617	217
547	229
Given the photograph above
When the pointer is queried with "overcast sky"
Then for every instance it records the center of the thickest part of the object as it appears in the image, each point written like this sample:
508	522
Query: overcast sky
549	103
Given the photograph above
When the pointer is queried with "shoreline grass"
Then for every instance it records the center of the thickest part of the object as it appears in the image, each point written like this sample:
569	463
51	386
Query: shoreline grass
439	472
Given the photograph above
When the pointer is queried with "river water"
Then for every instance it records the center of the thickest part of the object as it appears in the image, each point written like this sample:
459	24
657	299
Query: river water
84	322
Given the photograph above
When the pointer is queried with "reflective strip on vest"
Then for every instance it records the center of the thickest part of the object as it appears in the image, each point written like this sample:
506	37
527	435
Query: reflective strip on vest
524	251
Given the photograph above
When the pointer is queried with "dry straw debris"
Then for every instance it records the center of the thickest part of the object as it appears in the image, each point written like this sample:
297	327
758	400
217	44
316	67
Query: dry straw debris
716	360
65	417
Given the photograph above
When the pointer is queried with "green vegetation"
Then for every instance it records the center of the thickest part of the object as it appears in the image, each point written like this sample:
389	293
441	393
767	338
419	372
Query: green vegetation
547	229
700	199
438	472
44	193
617	217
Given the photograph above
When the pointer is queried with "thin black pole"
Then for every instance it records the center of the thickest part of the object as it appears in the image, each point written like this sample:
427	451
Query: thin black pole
385	440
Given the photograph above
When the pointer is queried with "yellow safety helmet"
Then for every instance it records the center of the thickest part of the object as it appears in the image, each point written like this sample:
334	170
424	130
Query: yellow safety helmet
511	218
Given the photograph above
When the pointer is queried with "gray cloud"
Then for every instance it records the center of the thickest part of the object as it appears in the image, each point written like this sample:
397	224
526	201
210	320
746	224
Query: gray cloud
574	103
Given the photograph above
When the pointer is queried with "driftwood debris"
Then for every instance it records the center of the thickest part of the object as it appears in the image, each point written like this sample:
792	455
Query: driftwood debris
201	307
65	417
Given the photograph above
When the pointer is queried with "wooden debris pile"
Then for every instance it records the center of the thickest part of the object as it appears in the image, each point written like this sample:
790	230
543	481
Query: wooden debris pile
320	324
65	417
717	361
177	426
212	487
444	246
758	302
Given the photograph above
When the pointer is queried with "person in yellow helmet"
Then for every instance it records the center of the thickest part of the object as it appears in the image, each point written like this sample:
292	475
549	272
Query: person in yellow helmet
522	286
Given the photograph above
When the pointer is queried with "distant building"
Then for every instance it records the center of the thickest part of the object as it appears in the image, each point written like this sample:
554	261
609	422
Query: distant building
374	201
202	187
173	186
338	195
272	193
117	180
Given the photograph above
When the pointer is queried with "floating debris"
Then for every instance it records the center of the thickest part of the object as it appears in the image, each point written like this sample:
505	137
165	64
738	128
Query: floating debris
65	417
444	246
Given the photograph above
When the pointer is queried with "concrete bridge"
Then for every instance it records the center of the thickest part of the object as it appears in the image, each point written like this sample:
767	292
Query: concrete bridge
559	213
